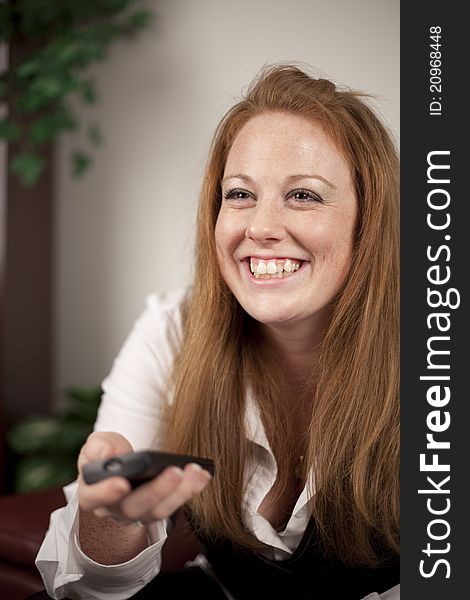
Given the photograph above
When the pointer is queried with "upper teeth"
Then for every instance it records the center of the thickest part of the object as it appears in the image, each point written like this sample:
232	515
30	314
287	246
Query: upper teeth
271	267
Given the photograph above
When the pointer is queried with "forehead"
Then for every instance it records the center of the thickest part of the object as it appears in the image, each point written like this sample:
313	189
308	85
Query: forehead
283	142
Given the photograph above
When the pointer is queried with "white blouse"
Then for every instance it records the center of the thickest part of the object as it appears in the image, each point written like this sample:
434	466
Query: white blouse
133	404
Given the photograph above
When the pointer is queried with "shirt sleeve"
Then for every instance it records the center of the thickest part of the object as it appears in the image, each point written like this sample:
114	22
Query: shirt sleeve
136	393
135	396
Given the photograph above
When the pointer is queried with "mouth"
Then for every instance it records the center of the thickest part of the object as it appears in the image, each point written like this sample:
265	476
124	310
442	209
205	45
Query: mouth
273	268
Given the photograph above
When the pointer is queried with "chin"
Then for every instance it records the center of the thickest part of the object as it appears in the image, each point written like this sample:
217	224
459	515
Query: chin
271	317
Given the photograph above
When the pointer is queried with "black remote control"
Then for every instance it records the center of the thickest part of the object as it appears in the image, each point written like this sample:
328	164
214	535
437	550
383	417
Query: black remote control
139	467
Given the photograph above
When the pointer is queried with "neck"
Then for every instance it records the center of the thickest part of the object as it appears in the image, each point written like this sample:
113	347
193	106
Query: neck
297	348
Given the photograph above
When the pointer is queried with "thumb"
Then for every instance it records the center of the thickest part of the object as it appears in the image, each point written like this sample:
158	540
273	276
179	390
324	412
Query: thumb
101	444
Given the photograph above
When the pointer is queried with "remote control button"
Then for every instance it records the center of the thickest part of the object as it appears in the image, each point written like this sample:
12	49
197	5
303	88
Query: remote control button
113	465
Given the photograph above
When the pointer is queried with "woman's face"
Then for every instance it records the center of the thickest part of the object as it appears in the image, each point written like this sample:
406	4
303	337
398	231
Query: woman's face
285	229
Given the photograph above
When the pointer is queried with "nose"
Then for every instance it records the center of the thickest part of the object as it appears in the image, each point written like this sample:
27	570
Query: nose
265	223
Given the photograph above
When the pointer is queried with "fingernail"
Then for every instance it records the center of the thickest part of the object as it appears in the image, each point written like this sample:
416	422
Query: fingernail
175	473
121	485
195	466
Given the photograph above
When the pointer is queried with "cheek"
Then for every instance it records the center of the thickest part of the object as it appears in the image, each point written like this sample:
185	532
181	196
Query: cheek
342	257
223	243
218	235
333	246
227	234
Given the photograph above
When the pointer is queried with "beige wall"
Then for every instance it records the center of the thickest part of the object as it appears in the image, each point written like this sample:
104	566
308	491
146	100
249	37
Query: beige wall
127	228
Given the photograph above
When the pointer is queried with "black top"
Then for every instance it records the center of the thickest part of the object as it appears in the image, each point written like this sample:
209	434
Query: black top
306	575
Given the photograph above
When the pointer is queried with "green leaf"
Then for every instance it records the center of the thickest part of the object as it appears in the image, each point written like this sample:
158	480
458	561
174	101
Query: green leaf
47	128
66	52
9	130
88	91
94	135
47	89
85	413
49	434
44	471
87	396
33	434
27	166
71	436
65	433
80	163
27	69
140	19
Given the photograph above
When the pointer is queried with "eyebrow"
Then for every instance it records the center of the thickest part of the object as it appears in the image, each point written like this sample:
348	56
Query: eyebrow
290	179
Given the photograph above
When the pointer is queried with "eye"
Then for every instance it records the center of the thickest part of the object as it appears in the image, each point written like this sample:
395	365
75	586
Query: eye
303	196
237	194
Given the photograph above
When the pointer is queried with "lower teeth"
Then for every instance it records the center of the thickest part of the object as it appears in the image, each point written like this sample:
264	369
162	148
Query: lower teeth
274	276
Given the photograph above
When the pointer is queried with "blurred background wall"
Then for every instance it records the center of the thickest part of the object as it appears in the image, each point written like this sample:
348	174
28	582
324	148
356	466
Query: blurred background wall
127	228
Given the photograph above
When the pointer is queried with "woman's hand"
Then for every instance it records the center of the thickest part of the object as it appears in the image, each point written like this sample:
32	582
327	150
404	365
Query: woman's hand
151	501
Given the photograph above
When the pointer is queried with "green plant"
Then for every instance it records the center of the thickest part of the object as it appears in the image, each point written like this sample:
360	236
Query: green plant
48	447
56	42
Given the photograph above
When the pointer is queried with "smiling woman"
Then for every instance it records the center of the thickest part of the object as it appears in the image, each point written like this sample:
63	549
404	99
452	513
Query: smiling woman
280	364
287	195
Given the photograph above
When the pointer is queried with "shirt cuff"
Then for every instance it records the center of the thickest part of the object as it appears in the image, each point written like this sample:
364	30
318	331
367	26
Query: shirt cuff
139	570
391	594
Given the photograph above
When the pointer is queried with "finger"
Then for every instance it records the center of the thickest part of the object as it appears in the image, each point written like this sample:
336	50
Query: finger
104	493
145	497
100	444
194	481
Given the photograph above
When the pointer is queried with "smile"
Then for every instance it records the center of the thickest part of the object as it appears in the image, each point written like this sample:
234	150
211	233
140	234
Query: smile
273	268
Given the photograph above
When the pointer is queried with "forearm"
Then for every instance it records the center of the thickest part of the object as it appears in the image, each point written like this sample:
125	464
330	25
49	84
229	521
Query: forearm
108	542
